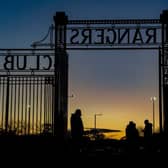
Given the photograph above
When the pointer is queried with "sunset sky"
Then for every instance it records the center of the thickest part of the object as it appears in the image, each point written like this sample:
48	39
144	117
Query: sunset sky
117	84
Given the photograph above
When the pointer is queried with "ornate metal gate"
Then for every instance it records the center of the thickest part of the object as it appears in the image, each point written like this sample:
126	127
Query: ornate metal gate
27	84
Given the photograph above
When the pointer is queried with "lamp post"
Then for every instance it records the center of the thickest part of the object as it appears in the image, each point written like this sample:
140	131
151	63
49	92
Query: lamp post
153	99
95	116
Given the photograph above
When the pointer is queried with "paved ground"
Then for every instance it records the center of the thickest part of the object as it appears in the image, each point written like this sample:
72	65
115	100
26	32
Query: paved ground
47	150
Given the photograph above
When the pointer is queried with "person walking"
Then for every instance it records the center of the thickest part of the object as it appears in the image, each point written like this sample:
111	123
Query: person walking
77	129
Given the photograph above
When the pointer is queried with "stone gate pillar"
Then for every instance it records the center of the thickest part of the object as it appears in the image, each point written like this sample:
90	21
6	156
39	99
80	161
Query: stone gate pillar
164	69
61	76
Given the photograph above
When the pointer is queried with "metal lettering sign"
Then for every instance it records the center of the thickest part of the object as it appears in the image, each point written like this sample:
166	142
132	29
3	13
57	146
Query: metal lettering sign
16	62
114	36
110	34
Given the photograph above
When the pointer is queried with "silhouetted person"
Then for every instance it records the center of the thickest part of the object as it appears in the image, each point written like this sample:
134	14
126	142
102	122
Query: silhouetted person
132	137
147	135
147	129
131	131
77	129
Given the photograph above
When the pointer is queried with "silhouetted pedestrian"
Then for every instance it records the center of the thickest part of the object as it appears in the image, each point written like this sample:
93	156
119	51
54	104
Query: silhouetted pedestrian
147	135
131	131
147	129
77	129
132	137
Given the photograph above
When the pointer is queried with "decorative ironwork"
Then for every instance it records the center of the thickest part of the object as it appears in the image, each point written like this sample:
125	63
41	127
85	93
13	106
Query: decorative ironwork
27	85
42	43
117	21
26	104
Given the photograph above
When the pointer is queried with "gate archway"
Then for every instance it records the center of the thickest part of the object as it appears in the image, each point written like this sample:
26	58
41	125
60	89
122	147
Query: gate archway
127	34
34	91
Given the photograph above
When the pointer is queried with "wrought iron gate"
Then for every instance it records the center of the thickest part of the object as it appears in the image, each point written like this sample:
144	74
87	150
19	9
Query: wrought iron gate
26	93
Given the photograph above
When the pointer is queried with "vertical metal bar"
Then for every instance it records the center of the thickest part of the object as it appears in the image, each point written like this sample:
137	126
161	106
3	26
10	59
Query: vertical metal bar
45	102
11	103
0	103
33	102
18	117
37	103
7	105
48	100
22	97
40	95
29	108
160	91
66	68
49	103
26	105
53	103
56	62
164	38
29	118
15	97
3	100
163	75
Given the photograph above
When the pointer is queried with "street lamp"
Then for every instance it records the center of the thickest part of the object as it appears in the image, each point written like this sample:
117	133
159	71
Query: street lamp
95	116
153	99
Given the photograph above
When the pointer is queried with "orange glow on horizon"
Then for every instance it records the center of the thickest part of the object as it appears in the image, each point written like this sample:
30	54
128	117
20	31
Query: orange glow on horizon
116	112
117	84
